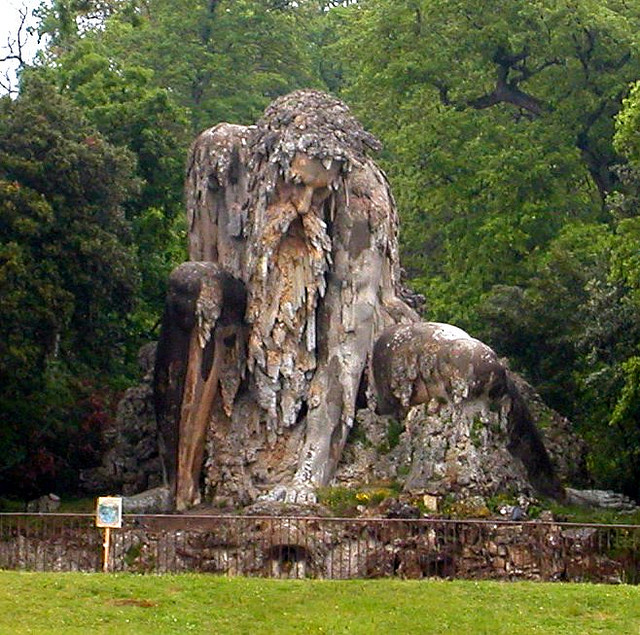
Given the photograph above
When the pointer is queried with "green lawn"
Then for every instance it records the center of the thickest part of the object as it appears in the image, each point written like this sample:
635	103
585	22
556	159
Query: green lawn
124	603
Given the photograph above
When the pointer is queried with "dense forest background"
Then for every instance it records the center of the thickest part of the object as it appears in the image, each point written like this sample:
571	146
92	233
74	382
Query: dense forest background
512	142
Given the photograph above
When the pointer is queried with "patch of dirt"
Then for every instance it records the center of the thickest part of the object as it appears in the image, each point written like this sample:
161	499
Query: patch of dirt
147	604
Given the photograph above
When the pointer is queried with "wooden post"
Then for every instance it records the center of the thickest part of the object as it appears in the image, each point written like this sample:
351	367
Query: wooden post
106	544
108	516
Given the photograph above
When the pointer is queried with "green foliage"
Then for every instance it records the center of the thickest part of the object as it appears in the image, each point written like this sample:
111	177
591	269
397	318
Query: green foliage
627	136
224	60
341	501
619	458
68	280
344	501
66	230
461	509
77	506
501	499
131	111
392	436
498	124
394	429
579	514
538	325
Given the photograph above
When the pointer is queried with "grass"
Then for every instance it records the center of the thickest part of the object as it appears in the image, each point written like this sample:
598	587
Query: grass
577	514
123	604
67	505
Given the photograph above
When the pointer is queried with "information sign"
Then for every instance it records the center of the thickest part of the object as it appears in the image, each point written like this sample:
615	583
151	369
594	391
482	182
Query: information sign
109	512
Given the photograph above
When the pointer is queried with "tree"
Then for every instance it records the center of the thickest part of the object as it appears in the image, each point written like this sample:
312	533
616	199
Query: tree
67	270
222	59
498	125
540	325
125	105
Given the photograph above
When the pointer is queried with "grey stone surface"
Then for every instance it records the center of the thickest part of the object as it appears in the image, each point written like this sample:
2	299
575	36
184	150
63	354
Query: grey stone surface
153	501
291	356
44	504
605	499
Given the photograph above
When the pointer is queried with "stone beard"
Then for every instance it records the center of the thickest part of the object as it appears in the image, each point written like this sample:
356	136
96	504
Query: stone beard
287	285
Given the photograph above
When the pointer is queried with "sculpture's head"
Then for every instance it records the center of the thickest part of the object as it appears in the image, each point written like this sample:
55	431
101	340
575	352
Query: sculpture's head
305	142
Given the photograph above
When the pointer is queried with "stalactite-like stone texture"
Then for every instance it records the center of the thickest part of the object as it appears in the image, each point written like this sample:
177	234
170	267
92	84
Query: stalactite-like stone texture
269	332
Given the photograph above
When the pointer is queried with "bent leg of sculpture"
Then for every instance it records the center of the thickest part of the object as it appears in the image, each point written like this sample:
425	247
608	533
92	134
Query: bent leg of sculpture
462	385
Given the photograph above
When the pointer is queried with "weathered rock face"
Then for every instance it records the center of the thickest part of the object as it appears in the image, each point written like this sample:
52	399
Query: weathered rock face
472	432
567	450
44	504
266	354
295	213
132	464
458	450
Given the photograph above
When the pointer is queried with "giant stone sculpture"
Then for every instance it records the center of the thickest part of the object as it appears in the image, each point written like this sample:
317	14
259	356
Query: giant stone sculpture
289	316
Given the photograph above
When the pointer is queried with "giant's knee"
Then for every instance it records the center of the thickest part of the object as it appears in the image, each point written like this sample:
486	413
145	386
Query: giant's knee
185	286
416	363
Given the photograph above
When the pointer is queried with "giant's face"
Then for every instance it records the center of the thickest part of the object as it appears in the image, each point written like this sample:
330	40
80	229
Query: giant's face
289	279
312	181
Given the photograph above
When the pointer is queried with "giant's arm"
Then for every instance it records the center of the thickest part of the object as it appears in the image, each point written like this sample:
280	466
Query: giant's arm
201	347
200	354
170	367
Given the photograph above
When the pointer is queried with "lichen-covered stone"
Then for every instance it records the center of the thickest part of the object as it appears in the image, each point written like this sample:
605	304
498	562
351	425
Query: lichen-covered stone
290	327
132	463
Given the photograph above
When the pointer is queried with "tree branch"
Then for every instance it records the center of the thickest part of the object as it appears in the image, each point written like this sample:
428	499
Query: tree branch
509	93
598	166
443	90
13	52
15	46
507	89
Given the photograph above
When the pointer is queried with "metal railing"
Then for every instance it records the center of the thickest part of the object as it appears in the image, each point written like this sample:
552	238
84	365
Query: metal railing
318	547
49	542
